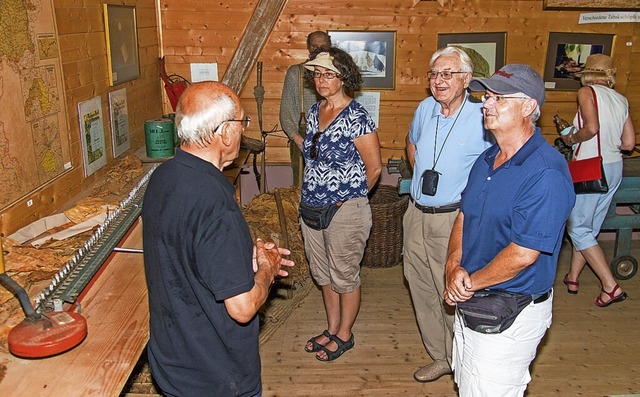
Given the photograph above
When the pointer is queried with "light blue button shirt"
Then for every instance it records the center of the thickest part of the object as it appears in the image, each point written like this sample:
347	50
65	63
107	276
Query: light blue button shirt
461	138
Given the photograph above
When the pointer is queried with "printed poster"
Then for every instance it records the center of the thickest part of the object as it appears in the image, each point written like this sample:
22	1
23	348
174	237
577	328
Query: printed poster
370	100
94	153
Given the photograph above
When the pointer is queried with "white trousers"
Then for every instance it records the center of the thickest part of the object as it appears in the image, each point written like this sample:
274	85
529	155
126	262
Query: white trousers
497	365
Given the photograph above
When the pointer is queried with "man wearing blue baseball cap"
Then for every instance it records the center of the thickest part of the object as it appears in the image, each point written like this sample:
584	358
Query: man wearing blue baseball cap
505	242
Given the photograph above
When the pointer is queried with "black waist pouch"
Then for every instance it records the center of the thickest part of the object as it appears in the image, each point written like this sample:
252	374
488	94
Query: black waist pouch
491	312
318	218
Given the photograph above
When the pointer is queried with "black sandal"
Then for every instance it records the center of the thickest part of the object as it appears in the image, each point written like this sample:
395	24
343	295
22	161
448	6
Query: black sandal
342	347
316	347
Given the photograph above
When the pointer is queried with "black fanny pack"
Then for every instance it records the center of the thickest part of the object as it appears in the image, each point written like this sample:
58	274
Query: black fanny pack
318	218
491	312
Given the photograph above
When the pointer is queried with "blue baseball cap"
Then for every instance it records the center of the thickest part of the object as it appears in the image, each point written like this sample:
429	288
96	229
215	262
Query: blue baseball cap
512	79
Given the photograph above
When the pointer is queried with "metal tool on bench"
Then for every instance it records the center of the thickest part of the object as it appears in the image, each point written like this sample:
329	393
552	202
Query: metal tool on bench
402	167
53	333
128	250
52	327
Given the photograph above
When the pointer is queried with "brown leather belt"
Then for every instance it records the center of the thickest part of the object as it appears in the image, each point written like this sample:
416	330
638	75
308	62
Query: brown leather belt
437	210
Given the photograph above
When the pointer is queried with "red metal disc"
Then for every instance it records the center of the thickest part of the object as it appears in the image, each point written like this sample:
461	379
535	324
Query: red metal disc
54	333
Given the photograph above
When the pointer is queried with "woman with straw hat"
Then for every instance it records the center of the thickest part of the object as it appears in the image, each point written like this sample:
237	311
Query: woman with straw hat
602	114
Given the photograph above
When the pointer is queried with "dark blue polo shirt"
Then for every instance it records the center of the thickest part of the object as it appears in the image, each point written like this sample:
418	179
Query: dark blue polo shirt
197	252
527	201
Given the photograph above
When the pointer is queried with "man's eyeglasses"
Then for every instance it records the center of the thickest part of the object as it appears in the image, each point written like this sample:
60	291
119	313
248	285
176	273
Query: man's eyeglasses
245	123
499	99
313	152
325	75
445	74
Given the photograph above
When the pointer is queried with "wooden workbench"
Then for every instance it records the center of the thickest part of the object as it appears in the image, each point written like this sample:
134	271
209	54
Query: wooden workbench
117	315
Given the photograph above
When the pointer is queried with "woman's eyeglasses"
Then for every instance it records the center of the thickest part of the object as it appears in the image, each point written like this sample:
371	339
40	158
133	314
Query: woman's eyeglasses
500	99
445	74
313	151
325	75
244	122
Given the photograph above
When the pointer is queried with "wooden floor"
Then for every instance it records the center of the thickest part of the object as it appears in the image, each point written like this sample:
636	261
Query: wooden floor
588	351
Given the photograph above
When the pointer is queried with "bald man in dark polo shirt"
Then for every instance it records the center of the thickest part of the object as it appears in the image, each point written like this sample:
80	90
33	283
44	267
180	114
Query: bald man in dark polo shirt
206	279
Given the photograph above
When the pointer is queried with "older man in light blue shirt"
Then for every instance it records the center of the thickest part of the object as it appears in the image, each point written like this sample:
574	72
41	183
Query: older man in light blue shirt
445	138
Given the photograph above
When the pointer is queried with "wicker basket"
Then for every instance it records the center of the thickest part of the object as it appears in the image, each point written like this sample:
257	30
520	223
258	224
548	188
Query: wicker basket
384	248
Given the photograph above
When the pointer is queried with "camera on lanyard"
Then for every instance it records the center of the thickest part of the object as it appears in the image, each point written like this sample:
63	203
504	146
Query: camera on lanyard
430	180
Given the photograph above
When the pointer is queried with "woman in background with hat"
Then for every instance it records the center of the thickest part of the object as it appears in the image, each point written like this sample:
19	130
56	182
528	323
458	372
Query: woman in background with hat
342	163
600	108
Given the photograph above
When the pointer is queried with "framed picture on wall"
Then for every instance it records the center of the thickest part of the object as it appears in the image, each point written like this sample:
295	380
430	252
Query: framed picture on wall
122	43
119	112
373	51
566	55
486	50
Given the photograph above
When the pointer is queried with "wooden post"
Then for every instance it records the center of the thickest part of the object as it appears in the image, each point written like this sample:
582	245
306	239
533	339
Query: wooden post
1	257
255	35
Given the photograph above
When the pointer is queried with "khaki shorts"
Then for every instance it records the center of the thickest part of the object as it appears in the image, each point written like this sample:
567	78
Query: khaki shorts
335	253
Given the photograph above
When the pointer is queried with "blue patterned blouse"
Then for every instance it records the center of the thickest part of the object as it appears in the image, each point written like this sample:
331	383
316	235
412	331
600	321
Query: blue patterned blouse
338	173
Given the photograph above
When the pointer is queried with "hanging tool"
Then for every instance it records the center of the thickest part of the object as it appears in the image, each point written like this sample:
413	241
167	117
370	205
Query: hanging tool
174	84
258	92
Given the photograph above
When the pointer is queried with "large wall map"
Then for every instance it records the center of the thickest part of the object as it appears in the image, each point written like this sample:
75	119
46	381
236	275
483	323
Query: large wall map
34	138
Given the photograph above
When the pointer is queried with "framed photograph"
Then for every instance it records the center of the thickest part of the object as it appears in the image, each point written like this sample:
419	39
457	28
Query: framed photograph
486	50
122	43
119	112
373	51
566	55
592	4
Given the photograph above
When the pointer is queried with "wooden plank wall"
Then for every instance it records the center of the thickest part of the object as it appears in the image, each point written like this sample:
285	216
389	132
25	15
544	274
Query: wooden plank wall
81	37
208	31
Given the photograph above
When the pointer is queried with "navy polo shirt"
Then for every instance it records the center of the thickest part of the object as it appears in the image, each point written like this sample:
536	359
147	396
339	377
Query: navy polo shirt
197	253
527	201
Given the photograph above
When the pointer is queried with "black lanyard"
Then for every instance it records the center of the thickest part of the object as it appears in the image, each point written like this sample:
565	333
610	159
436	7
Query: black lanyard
435	141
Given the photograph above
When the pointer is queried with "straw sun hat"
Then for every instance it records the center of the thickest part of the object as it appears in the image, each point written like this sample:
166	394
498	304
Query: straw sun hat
598	63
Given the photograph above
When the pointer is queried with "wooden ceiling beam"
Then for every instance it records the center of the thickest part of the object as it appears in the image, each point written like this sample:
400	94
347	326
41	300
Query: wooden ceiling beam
255	35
